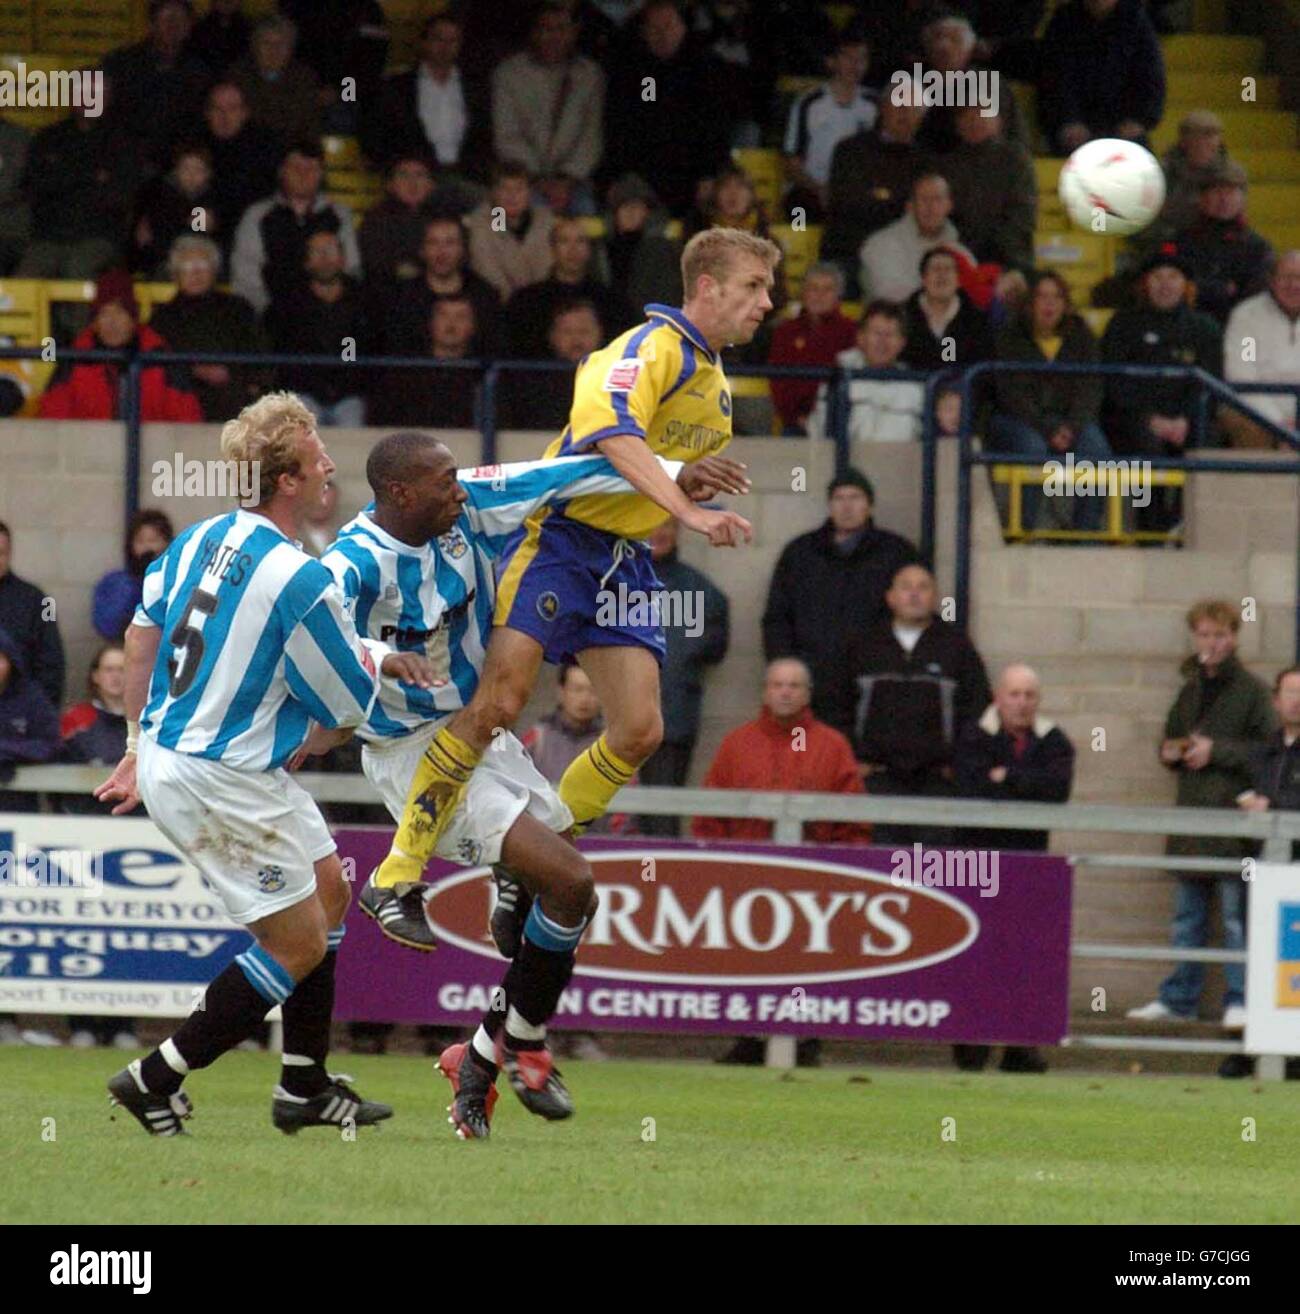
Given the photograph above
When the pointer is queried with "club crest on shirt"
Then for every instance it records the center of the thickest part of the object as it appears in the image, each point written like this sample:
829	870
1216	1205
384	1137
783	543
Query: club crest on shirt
470	852
453	545
724	402
270	880
548	606
623	375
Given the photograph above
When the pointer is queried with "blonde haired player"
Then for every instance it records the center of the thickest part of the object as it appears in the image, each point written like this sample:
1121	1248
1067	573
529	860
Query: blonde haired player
240	643
656	390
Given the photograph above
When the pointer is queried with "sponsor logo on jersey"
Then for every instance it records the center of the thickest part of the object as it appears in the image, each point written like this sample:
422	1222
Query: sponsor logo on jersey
623	375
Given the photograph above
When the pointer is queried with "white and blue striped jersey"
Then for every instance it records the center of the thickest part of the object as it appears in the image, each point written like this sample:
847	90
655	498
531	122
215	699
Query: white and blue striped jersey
256	644
438	599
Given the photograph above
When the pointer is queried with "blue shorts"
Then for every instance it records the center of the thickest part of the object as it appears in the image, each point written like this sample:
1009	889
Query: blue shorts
572	587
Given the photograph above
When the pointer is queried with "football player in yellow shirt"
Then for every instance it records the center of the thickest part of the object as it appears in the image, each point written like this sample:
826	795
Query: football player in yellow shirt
571	581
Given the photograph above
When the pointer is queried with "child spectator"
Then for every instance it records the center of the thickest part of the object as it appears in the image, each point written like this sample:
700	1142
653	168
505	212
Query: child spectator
117	594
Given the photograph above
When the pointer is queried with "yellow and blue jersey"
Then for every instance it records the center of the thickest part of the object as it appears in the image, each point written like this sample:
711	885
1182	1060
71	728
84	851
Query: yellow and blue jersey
660	382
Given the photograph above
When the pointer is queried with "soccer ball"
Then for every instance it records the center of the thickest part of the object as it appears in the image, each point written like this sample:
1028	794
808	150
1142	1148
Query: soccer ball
1112	186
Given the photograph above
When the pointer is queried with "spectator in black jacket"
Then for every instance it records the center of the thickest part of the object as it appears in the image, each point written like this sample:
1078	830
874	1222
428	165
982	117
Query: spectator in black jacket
156	83
1154	417
1012	754
920	684
683	135
81	179
531	310
828	585
180	203
1228	259
200	317
271	242
438	108
1275	764
325	317
392	231
543	401
221	36
1102	74
245	157
29	725
443	399
691	650
872	174
445	272
944	330
27	616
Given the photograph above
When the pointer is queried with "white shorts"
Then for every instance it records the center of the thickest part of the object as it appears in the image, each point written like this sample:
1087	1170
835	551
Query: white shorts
255	836
504	785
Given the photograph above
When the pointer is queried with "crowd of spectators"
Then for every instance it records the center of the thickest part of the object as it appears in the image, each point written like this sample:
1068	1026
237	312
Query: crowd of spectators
518	124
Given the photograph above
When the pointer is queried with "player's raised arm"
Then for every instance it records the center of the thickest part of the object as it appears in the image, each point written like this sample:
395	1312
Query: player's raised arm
502	497
637	464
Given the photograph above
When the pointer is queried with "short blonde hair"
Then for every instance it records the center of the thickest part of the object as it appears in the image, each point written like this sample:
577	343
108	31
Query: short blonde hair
715	250
267	431
1217	611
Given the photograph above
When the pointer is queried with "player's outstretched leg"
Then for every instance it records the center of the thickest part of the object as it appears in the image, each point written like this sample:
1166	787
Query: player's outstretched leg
308	1095
626	679
509	671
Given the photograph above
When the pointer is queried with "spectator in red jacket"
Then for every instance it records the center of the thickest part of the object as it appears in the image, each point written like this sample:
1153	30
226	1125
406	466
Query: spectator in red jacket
89	391
815	336
785	748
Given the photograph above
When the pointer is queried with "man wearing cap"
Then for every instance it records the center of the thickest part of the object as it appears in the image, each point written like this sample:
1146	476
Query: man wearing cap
90	391
1227	259
1154	417
828	585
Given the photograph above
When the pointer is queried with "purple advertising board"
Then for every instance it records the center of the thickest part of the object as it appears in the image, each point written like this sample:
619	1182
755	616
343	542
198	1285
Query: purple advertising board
839	941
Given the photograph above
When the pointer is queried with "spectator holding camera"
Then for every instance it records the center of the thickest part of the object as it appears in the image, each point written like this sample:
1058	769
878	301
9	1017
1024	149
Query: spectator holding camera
1221	716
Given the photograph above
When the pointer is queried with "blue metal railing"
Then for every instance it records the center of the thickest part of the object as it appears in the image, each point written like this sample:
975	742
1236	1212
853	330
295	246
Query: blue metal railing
839	381
1209	386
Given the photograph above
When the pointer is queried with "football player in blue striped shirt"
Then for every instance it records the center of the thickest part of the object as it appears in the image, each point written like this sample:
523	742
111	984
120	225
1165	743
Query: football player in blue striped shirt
242	641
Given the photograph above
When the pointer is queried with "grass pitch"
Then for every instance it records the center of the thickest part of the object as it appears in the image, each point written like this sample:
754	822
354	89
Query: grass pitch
725	1145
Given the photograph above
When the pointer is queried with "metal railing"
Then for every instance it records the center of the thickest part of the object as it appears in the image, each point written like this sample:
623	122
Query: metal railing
1274	832
969	459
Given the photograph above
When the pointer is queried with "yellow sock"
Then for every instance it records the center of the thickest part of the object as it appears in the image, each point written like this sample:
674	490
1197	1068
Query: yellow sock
440	780
591	781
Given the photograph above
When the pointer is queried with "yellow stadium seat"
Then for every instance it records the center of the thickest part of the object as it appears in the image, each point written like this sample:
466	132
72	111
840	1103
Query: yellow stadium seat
151	296
801	247
851	310
765	171
1284	236
34	118
749	387
1248	125
1208	54
92	27
1267	163
24	311
1075	250
341	152
594	226
1048	171
1096	318
17	26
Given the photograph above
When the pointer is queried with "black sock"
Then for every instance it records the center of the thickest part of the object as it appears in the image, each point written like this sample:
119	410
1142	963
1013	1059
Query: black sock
231	1011
533	984
308	1013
